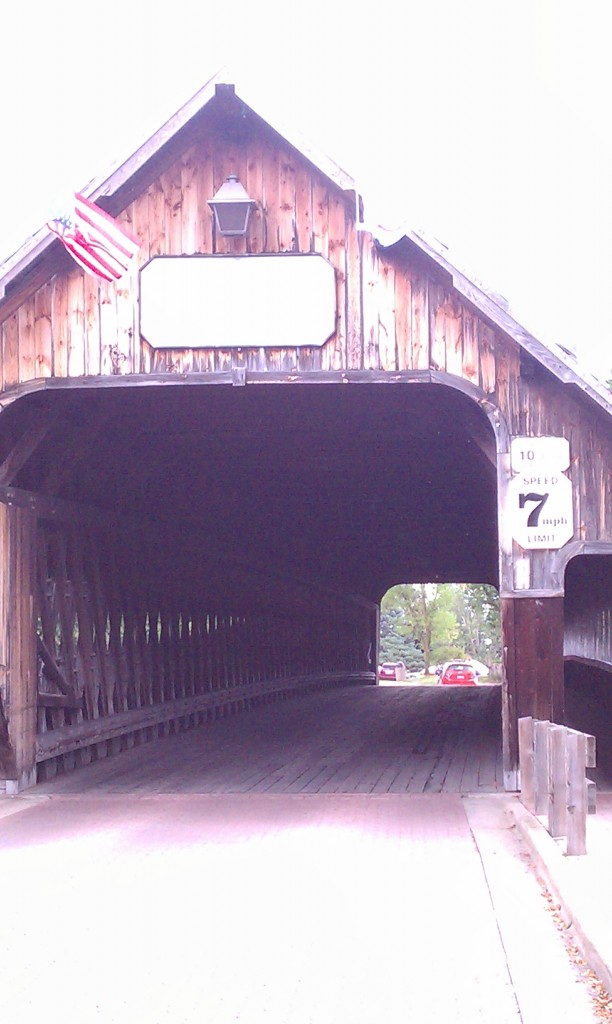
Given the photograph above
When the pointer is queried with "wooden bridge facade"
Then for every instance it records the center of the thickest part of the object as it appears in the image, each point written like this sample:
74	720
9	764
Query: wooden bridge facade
187	530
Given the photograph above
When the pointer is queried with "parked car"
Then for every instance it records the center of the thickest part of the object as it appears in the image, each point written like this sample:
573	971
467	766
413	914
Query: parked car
392	670
458	673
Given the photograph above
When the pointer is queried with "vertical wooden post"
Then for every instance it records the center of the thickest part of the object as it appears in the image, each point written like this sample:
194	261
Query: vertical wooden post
7	754
577	798
372	664
541	755
557	787
532	630
527	762
19	685
510	752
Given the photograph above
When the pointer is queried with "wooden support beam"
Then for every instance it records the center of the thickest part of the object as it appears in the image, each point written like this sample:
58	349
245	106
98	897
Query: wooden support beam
481	434
7	754
72	453
532	631
53	673
58	700
17	643
47	507
27	444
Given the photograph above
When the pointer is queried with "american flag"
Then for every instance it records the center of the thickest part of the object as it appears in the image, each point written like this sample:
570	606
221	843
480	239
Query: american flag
95	240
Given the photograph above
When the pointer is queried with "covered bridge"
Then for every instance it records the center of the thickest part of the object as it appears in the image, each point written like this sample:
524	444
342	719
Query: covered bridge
212	470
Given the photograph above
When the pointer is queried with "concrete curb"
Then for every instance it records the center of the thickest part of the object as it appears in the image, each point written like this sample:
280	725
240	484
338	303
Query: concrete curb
570	880
14	804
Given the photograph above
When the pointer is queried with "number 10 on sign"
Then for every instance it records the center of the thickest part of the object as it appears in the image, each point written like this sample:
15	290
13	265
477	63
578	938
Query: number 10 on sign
540	500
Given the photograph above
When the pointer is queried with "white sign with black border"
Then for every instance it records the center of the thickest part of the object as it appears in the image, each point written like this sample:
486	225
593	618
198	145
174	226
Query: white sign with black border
540	496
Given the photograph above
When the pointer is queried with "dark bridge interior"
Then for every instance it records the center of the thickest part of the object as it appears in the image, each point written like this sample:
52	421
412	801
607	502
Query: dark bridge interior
204	548
355	487
588	673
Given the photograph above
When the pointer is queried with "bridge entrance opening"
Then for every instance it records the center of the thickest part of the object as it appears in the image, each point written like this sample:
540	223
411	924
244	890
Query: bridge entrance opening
440	649
202	550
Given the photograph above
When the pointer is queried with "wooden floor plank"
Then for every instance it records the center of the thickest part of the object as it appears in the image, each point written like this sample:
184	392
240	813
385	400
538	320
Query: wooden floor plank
452	783
421	776
350	740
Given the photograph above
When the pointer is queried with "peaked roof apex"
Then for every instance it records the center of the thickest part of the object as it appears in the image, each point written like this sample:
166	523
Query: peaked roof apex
107	184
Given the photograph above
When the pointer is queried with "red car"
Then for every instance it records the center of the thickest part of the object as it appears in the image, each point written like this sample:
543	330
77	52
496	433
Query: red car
392	670
458	673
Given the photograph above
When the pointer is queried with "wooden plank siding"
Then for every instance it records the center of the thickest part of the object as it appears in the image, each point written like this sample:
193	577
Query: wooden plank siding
395	311
89	328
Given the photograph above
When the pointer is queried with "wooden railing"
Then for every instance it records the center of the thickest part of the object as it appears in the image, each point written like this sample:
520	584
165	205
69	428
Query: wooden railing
553	760
131	647
128	728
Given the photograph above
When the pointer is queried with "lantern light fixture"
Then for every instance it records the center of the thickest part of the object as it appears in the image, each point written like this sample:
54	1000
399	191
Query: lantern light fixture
232	207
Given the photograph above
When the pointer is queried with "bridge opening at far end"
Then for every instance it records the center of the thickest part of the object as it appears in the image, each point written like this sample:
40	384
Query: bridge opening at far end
440	652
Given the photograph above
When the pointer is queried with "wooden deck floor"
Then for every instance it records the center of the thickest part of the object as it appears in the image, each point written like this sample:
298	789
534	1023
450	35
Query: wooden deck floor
367	739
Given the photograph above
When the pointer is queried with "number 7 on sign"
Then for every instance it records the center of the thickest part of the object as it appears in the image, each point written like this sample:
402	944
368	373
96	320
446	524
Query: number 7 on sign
540	500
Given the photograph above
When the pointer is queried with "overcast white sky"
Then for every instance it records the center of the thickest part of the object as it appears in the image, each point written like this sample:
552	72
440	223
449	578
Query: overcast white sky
485	122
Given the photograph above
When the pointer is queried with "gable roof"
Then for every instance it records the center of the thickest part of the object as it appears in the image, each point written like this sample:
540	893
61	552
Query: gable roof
108	184
557	360
561	363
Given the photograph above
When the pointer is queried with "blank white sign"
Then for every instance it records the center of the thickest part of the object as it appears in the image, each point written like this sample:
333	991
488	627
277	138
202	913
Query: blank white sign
278	301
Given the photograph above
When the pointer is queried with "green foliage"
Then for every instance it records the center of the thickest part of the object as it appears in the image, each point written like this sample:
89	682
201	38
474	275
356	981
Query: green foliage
441	653
440	622
395	645
415	662
479	622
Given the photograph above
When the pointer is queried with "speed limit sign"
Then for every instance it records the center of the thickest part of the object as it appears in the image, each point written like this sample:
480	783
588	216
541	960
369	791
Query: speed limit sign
540	498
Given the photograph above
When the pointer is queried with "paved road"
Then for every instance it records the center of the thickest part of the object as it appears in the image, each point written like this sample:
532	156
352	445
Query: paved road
275	908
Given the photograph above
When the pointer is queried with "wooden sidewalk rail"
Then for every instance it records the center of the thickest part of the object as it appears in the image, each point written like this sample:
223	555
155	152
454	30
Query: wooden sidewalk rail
552	762
100	730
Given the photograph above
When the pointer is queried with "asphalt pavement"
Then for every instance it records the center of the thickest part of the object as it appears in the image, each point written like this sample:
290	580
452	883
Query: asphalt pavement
278	908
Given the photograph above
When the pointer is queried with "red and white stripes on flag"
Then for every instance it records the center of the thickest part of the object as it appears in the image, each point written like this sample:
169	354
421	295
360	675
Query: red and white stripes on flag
95	240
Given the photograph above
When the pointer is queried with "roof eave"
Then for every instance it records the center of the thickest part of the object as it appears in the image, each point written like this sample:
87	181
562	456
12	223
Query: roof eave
553	358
